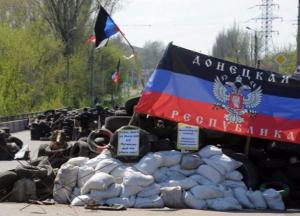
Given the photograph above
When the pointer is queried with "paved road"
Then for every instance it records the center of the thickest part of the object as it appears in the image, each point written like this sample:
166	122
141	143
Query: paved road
17	209
64	210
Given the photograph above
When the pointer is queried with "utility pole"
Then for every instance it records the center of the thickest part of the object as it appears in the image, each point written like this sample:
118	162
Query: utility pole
255	46
298	35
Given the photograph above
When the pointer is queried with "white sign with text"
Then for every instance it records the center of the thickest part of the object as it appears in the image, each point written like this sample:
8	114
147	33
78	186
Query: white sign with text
187	137
128	143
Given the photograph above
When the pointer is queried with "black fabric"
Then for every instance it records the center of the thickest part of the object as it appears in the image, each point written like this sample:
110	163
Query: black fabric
187	62
100	25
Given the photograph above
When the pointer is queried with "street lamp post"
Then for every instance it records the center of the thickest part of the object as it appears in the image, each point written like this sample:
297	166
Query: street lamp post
255	46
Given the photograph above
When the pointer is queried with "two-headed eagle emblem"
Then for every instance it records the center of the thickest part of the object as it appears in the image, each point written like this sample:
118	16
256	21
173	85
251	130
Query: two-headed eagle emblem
237	98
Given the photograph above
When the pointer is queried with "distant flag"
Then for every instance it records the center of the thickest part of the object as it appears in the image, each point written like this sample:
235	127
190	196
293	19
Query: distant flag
91	39
128	57
115	76
105	27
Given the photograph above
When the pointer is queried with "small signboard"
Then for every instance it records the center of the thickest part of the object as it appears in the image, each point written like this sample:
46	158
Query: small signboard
280	59
187	137
128	142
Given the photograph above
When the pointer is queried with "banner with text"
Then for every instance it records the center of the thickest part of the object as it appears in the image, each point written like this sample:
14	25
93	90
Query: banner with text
201	90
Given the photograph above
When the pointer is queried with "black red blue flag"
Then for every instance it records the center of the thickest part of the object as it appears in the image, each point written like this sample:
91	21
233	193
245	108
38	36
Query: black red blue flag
201	90
105	27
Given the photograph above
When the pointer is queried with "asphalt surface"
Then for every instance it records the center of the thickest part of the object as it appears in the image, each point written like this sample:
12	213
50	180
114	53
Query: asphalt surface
24	209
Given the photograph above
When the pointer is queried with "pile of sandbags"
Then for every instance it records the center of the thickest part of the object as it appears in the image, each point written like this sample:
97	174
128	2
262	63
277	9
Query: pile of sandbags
207	179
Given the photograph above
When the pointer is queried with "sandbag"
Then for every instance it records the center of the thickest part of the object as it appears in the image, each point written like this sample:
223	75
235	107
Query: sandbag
209	150
241	195
190	161
149	202
207	191
118	172
210	173
62	194
107	165
170	158
190	200
214	164
161	175
201	180
172	197
81	200
94	161
149	163
228	163
67	175
84	174
185	184
151	190
273	199
75	193
127	202
257	199
77	161
136	178
234	184
183	171
130	190
99	181
224	204
234	175
114	190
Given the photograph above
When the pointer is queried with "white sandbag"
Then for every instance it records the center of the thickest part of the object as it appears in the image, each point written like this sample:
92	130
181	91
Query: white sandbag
190	200
127	202
118	172
149	163
209	150
151	190
149	202
234	184
234	175
81	200
210	173
130	190
113	191
241	195
224	204
84	174
257	199
107	165
170	158
215	165
207	191
172	197
77	161
228	192
62	194
185	184
94	161
161	175
201	180
99	181
228	163
190	161
273	199
137	178
67	175
183	171
75	193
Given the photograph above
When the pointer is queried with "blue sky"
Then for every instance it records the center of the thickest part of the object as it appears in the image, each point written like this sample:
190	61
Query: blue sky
194	24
